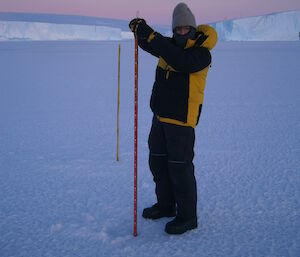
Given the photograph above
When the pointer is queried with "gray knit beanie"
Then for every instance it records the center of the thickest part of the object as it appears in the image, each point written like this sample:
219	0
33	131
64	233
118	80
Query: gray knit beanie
183	16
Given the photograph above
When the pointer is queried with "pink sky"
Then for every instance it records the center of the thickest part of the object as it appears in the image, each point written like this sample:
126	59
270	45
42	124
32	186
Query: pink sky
154	11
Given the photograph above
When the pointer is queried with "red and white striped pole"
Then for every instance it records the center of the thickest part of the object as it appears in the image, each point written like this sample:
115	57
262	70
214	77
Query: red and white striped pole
135	134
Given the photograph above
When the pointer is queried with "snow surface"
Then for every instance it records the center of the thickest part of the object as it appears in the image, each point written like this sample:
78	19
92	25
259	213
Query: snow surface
64	194
21	26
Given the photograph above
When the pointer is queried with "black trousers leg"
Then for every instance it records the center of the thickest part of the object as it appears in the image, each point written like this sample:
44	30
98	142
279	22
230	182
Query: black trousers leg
180	151
158	163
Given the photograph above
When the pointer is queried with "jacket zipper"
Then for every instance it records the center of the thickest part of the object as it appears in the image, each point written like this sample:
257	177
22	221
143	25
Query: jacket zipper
168	72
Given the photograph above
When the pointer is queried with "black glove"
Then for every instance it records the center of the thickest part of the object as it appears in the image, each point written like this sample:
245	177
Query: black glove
140	27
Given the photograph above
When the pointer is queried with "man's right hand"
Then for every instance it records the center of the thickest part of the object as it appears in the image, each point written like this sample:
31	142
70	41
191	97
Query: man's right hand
140	28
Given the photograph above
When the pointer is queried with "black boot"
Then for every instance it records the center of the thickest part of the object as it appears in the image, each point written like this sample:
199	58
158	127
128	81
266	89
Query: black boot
179	225
155	212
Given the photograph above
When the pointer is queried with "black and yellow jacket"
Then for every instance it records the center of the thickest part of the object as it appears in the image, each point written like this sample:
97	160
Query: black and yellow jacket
178	90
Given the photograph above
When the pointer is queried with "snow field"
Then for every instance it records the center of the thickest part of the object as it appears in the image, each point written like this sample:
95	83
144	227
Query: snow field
63	193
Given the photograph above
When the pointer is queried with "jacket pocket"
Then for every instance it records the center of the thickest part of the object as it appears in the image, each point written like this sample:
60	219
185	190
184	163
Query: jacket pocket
170	94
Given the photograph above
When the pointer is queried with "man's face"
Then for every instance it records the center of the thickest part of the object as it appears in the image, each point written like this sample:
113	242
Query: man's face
182	30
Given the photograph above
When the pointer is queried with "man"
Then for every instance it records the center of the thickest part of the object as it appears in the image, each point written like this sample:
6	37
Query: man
176	102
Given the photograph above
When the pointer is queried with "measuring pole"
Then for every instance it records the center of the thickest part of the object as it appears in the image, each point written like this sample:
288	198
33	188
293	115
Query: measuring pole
135	134
118	112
